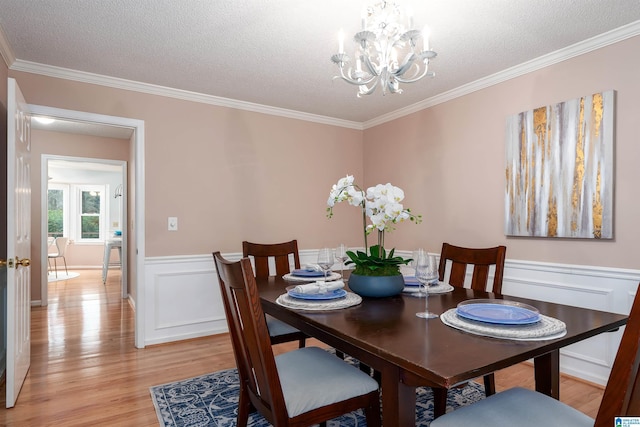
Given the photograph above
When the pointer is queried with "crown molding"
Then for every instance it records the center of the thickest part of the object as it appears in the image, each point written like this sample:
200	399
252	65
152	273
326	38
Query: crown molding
118	83
5	50
594	43
597	42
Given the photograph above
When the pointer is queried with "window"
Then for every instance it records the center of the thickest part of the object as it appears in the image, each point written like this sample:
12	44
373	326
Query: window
58	209
90	208
81	218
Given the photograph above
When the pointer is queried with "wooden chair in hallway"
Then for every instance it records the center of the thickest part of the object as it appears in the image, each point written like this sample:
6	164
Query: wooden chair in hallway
279	253
299	388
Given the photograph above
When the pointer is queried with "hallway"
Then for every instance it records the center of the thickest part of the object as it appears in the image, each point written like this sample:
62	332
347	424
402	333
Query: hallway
85	369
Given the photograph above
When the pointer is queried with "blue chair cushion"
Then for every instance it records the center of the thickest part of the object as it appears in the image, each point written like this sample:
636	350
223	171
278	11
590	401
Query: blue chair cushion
277	327
312	378
515	407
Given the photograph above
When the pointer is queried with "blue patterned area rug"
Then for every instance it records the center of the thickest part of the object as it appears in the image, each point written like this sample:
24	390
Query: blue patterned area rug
211	401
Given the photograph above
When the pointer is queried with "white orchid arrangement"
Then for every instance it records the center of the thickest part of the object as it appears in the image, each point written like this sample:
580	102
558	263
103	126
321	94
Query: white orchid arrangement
381	204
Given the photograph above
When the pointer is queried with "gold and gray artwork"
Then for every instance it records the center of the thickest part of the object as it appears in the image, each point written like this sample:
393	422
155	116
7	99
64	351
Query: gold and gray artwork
559	171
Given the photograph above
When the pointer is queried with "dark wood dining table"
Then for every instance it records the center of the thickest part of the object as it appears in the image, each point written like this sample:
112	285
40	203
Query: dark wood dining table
409	351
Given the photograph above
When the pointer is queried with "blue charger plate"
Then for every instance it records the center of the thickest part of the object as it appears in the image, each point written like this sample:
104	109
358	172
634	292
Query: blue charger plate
501	312
411	281
307	273
335	294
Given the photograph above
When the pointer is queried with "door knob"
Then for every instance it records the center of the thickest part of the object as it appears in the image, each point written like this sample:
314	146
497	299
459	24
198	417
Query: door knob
25	262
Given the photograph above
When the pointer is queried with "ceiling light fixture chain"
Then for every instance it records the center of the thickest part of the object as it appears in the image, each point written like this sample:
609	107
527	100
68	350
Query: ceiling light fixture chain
384	39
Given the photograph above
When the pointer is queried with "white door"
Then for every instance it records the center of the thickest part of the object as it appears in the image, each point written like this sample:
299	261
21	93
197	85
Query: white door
18	223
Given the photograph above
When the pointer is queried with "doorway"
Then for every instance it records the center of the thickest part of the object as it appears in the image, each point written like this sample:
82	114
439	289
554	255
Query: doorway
135	226
84	200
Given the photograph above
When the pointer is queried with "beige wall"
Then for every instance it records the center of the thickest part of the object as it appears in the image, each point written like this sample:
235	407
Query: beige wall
231	175
65	144
228	175
450	161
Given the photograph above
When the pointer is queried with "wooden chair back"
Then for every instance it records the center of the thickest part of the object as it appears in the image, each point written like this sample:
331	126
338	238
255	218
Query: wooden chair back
480	259
622	394
250	339
280	252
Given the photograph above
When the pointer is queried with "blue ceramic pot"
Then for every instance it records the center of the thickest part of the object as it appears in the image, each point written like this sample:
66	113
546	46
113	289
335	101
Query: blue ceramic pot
376	286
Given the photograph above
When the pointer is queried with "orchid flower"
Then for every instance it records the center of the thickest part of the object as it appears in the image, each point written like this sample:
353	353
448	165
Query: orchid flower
381	204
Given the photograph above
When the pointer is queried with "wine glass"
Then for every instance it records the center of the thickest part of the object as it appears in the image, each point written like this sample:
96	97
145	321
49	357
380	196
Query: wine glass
414	257
341	255
418	253
325	260
426	272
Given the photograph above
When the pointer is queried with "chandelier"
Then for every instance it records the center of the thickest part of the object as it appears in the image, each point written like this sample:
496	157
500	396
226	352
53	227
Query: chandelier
388	51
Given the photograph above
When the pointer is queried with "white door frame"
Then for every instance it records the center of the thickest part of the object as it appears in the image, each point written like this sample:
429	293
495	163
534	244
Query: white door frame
44	224
137	222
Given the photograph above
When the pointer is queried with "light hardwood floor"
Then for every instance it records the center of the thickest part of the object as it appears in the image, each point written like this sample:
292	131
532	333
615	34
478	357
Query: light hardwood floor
85	369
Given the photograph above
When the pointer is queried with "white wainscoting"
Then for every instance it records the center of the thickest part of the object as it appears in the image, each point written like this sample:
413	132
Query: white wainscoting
183	301
605	289
183	297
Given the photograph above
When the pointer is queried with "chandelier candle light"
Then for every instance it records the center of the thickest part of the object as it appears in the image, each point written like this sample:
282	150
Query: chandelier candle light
385	39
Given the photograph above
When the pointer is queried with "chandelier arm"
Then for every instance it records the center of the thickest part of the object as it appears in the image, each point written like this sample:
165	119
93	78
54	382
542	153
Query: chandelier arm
415	79
370	67
358	82
364	90
393	87
407	65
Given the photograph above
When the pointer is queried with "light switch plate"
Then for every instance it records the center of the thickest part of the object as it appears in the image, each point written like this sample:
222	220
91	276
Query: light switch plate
172	223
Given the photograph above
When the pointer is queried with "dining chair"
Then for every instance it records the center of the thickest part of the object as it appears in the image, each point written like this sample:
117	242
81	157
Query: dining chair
481	260
522	407
50	249
61	247
279	331
299	388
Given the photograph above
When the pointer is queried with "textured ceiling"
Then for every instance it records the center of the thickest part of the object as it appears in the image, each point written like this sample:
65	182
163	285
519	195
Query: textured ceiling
276	53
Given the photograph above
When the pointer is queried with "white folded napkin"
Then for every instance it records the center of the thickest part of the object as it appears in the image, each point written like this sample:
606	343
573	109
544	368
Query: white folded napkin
319	287
311	267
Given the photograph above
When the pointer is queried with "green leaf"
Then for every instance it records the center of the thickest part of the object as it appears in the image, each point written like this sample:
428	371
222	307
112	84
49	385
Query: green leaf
377	263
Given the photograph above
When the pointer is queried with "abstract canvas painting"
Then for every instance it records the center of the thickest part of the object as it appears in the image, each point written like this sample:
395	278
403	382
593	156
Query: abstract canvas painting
559	171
